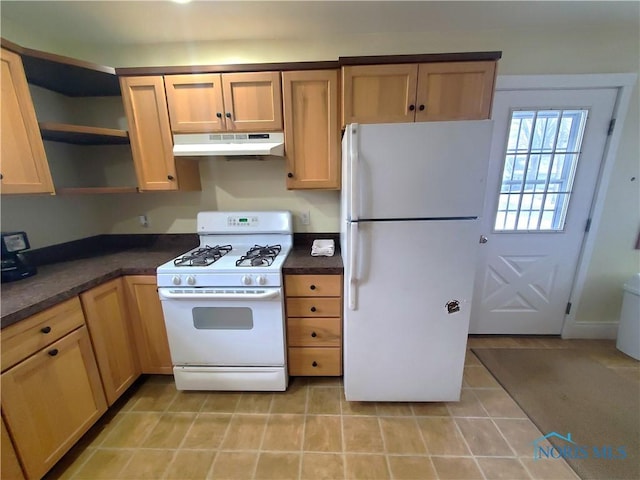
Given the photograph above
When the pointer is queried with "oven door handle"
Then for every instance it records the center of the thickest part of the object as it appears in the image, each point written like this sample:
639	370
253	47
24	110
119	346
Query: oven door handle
268	295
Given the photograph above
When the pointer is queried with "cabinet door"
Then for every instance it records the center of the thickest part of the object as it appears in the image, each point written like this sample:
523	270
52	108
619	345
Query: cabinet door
112	337
51	399
23	161
252	101
455	91
10	466
151	142
379	93
148	325
311	129
195	103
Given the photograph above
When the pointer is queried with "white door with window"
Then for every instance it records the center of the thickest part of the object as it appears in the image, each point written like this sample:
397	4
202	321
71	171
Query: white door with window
546	155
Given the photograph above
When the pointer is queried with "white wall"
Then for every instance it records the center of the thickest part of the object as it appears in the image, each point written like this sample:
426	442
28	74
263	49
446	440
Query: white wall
234	186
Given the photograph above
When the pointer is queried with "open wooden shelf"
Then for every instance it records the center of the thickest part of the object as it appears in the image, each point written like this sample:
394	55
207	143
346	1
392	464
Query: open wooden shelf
81	135
94	190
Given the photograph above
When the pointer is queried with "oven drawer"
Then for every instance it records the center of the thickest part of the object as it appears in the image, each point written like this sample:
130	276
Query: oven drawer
36	332
314	307
314	332
313	285
311	361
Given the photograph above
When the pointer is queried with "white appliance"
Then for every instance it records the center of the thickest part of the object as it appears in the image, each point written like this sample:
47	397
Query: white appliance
228	144
223	303
411	197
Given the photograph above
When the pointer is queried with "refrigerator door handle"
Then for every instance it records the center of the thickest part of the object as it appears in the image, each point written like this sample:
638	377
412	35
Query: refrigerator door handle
353	178
353	265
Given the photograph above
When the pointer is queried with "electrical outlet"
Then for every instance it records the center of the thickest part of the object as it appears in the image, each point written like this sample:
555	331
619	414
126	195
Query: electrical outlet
144	220
305	217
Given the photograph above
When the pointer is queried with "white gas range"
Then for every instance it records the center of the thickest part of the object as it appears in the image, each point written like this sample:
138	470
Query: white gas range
223	303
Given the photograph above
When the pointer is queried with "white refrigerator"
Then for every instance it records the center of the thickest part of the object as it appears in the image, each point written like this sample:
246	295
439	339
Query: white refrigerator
411	199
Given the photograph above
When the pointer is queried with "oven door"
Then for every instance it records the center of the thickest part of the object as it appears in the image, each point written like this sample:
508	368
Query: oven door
224	327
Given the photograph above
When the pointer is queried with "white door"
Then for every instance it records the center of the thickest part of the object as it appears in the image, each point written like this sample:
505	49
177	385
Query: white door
545	160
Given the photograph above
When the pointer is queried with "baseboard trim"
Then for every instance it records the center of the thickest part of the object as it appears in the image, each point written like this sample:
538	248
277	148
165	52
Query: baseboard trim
593	330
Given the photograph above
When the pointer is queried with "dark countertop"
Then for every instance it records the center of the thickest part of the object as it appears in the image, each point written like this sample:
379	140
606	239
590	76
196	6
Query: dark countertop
60	281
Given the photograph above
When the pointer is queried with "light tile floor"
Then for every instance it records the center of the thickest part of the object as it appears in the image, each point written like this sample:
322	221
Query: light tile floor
311	432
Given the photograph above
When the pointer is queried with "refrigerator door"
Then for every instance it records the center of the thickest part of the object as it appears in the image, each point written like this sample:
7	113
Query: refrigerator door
416	170
405	335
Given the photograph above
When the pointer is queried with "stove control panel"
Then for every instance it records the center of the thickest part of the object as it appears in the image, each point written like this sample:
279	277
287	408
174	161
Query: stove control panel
242	221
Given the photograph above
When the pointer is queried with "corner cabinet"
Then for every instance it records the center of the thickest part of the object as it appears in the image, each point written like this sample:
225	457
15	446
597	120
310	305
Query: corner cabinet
23	161
421	92
107	316
311	128
145	106
228	102
51	391
314	324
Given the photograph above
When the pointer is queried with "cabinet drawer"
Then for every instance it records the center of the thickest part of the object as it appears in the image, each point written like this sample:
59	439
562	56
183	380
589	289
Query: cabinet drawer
36	332
313	285
314	332
311	361
313	307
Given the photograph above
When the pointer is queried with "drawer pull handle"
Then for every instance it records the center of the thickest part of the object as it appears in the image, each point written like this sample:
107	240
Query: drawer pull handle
312	287
46	329
314	334
314	364
313	309
53	352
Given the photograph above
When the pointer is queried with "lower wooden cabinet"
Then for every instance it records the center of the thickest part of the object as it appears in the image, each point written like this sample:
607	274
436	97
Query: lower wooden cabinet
148	324
109	322
10	467
50	399
314	324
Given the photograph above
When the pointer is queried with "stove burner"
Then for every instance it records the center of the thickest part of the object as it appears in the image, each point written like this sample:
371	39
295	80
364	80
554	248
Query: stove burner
259	256
203	256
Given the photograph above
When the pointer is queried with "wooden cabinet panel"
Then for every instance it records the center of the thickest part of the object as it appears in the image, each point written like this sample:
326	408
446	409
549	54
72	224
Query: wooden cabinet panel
51	399
109	325
195	103
148	324
23	161
10	467
145	105
314	307
312	141
379	93
313	285
455	91
252	101
36	332
314	332
315	361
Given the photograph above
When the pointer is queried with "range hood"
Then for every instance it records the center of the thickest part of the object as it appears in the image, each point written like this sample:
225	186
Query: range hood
228	144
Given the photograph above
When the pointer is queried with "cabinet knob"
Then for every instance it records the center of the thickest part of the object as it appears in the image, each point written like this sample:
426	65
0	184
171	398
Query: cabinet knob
53	352
312	287
1	177
314	334
421	108
290	175
46	329
218	114
313	309
314	364
170	177
228	115
412	107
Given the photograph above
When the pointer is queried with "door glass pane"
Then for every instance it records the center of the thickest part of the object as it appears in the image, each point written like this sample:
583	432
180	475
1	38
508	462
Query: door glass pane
543	149
222	318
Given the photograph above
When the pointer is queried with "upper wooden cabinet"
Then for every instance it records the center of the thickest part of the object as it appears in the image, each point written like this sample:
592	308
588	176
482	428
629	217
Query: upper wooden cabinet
240	102
312	140
151	141
418	92
23	162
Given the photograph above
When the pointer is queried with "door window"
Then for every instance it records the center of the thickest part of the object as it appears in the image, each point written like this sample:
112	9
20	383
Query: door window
543	149
222	318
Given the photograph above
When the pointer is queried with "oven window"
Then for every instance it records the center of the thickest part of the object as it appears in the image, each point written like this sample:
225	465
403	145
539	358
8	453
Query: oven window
222	318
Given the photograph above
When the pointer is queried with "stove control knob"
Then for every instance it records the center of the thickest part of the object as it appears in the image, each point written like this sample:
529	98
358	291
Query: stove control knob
191	280
176	280
261	280
246	280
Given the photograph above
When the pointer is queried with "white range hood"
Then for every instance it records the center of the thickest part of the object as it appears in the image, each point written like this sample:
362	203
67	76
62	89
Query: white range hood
228	144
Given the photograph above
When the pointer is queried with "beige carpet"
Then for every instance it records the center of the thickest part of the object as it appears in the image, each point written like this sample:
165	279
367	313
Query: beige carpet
564	391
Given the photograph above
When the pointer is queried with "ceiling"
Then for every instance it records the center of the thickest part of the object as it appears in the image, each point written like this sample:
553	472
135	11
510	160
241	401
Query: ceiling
152	22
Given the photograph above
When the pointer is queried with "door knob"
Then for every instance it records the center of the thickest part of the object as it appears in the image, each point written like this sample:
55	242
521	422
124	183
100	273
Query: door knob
483	239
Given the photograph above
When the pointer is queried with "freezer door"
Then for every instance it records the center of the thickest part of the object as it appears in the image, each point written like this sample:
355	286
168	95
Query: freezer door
405	336
418	170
